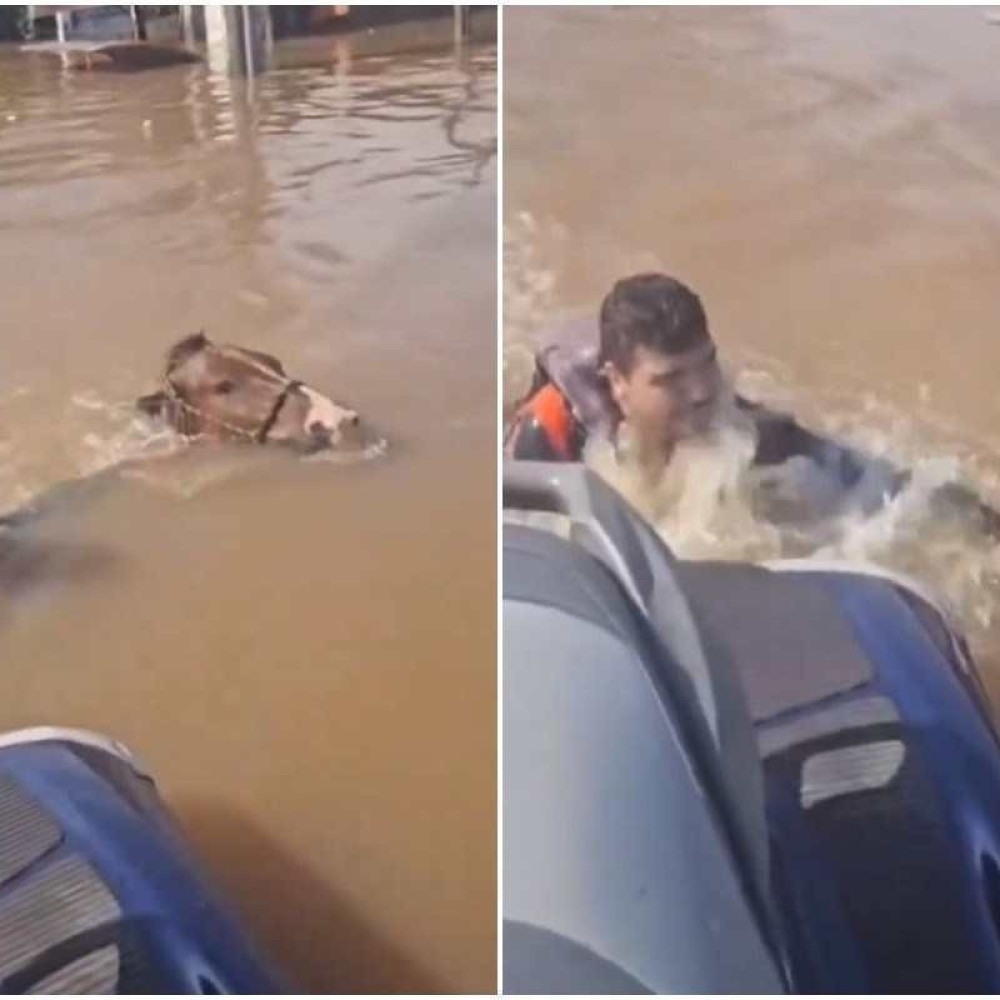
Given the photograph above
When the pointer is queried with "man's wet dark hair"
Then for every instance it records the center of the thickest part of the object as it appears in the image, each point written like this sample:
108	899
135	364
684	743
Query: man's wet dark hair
651	310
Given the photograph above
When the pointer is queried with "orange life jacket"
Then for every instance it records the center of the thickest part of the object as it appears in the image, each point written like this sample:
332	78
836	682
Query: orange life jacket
568	398
551	410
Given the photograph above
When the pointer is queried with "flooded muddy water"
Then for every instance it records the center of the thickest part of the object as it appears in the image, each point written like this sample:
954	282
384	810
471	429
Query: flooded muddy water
828	180
302	651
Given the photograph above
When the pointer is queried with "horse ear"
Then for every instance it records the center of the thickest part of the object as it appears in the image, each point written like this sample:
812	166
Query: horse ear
153	405
186	348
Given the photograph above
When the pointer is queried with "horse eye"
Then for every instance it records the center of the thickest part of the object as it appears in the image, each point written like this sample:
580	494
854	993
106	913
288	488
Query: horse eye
224	387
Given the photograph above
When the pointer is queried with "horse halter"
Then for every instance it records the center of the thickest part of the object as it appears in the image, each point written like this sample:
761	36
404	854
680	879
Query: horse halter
258	436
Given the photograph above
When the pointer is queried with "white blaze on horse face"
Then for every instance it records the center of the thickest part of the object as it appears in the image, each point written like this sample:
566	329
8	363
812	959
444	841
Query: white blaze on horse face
327	414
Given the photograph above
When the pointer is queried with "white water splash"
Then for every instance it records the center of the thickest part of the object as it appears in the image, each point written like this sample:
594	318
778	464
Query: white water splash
712	503
98	434
528	300
350	456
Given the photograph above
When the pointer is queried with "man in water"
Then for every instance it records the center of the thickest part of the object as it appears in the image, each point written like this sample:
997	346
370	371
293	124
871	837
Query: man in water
651	384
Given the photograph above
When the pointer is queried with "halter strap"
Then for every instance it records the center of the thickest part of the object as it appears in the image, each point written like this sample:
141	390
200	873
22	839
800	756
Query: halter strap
265	428
259	436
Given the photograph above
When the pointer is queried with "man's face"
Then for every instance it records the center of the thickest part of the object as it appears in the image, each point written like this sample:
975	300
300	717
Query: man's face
666	398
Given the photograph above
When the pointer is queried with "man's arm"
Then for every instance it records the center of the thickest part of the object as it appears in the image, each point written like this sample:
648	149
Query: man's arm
781	437
959	497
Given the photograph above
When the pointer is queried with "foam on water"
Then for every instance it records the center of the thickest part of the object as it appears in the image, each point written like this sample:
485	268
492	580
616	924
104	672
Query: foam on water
350	456
101	434
710	503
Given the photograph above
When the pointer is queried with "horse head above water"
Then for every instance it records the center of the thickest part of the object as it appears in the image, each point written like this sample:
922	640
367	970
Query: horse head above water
228	393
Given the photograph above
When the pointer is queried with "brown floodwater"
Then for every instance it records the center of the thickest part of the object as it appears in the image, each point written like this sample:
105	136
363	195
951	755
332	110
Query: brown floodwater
828	179
302	651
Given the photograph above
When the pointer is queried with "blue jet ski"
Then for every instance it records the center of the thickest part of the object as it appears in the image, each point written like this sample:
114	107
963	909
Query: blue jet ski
733	778
98	892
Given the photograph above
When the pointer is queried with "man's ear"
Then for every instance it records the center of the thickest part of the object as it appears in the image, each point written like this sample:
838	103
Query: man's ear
156	404
615	380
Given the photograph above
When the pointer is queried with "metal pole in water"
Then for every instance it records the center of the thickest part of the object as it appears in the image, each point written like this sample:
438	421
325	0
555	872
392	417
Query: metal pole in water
461	21
187	24
216	38
236	38
61	36
249	66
